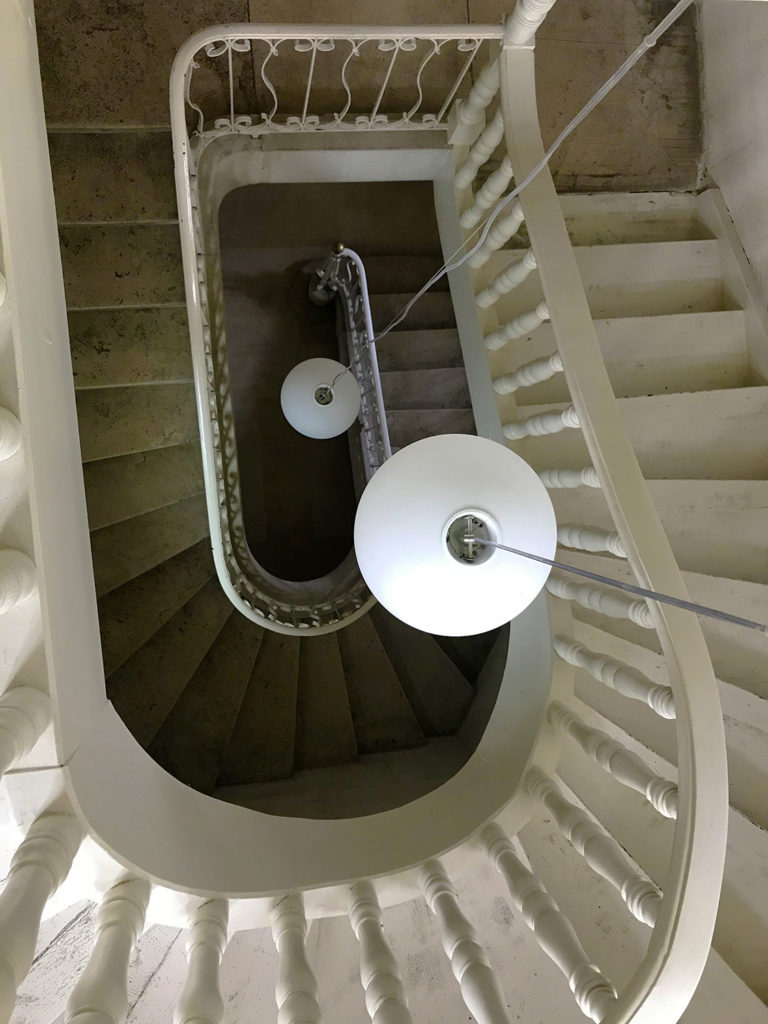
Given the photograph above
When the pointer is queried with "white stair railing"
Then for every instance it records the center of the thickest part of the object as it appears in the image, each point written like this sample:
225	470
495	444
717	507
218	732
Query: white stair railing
384	993
200	1001
518	327
567	478
501	231
602	600
487	142
18	578
524	376
24	715
10	432
487	197
541	423
507	280
590	538
296	990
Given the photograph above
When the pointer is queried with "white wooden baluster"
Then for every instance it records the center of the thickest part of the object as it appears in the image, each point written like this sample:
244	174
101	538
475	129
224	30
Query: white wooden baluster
24	715
489	139
559	478
200	1001
607	602
296	991
17	578
507	280
10	433
501	232
101	993
542	423
3	288
384	994
626	767
590	538
521	325
530	373
593	992
599	849
467	116
490	193
37	869
630	682
525	19
469	962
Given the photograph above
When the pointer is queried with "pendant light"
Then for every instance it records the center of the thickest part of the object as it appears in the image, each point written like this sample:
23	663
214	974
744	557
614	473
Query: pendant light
320	398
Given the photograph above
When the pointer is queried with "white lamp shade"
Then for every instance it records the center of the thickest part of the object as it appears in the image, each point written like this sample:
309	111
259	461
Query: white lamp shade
310	380
402	523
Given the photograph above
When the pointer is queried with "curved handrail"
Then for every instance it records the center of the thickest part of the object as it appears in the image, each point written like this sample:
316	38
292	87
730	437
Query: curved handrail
667	977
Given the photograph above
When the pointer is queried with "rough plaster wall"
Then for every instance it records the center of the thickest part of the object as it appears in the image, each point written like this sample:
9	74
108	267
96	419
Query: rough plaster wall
734	45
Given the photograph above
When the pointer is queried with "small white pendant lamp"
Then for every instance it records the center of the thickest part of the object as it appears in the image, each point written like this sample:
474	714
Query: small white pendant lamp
320	398
412	525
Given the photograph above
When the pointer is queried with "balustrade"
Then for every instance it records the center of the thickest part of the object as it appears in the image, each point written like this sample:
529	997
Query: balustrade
507	281
555	934
469	113
551	422
530	373
384	994
24	715
590	538
18	578
10	432
37	869
599	849
490	193
630	682
526	17
597	599
489	139
3	288
200	1001
296	991
500	233
567	478
101	993
469	962
518	327
624	766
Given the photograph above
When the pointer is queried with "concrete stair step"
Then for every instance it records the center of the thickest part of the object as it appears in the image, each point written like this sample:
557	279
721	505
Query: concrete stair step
324	731
704	435
121	265
436	689
419	350
469	653
133	613
716	527
112	347
433	311
645	355
616	218
408	425
192	740
128	549
120	421
425	389
261	747
131	485
145	688
745	717
405	272
382	717
113	176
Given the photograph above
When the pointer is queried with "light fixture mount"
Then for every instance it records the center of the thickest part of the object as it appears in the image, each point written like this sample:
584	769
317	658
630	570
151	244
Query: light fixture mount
463	535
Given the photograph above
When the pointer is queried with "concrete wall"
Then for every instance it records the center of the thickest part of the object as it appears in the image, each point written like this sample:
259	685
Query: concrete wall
734	43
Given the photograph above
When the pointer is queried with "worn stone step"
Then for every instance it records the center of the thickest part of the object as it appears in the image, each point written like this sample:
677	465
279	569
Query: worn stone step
133	613
192	740
131	485
130	548
419	350
262	744
383	719
433	311
121	421
121	265
119	175
425	389
616	218
403	273
324	731
408	425
146	686
436	689
112	347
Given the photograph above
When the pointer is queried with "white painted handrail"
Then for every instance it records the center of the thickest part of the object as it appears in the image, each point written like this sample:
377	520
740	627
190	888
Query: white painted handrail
101	993
384	993
625	679
599	849
530	373
602	600
24	715
507	280
593	992
590	538
200	1001
620	763
518	327
541	423
501	232
296	990
18	578
10	434
469	962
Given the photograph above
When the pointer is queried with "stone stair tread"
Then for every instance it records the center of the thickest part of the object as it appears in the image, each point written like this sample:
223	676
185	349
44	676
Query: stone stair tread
131	485
121	264
419	350
445	388
133	613
408	425
113	347
128	549
407	272
433	311
119	175
436	689
119	421
382	717
324	731
145	688
261	747
192	740
616	218
469	653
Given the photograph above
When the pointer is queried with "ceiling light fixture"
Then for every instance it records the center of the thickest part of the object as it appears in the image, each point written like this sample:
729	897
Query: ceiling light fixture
320	398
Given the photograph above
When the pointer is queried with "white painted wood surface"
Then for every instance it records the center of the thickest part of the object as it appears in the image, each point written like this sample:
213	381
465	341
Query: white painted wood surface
488	195
527	374
296	989
486	143
385	998
542	423
10	428
501	232
24	714
517	327
590	538
600	599
200	1001
18	578
570	478
508	279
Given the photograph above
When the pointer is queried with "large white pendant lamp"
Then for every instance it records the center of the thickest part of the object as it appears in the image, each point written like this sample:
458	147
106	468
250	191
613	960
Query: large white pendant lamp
320	398
413	520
